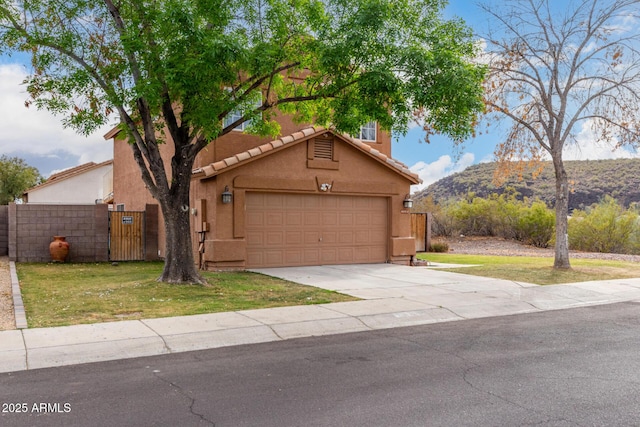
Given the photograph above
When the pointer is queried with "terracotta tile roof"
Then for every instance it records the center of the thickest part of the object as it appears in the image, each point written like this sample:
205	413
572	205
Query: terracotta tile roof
216	168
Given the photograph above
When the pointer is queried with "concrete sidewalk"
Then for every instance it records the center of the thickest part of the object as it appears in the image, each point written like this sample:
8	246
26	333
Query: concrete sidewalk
392	296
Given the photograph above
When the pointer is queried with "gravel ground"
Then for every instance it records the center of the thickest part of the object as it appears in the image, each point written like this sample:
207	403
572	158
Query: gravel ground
6	299
461	245
497	246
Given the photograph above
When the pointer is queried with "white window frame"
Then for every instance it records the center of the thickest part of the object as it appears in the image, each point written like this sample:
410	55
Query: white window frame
238	113
368	131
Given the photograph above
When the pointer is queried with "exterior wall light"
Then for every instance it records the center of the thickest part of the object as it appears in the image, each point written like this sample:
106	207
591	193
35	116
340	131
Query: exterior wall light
227	196
407	202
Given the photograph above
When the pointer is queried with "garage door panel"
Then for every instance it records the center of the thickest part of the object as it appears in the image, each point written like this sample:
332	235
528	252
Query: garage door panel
347	254
274	200
310	202
294	218
361	237
345	219
329	256
275	219
346	238
312	219
378	220
293	257
255	239
288	229
255	257
255	219
330	202
311	256
362	255
274	257
296	203
311	238
363	219
329	238
294	238
347	203
329	219
274	238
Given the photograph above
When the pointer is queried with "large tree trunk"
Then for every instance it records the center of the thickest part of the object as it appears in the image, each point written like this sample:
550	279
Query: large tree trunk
562	210
179	265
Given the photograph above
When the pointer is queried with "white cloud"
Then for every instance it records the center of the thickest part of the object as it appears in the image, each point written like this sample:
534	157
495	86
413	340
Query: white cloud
589	147
38	132
444	166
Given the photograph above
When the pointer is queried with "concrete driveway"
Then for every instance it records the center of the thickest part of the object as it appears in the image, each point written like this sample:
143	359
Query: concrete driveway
415	294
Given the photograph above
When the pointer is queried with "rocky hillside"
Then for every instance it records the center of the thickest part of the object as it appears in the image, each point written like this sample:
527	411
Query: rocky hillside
590	181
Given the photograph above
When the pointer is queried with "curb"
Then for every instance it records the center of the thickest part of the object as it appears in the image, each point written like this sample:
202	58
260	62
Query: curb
18	305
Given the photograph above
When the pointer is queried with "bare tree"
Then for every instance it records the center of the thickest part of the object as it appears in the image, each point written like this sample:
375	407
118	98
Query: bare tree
556	68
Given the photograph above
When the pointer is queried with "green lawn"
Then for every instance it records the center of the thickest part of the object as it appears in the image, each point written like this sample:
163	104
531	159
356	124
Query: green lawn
68	294
538	270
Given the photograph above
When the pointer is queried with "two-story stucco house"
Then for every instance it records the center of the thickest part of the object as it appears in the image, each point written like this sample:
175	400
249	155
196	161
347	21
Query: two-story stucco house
311	197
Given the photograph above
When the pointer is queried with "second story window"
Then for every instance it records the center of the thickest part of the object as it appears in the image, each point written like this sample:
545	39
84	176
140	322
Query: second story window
368	132
255	101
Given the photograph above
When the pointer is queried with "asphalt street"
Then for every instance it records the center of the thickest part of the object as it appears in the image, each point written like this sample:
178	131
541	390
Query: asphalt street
573	367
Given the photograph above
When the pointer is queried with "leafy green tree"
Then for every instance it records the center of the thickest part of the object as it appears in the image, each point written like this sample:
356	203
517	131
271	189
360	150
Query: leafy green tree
15	177
173	70
556	69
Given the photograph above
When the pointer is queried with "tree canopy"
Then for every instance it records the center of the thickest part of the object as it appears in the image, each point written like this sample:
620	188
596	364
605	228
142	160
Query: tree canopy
556	71
196	69
16	176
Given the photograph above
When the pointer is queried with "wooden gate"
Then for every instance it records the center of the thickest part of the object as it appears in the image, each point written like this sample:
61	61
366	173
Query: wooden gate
126	236
421	230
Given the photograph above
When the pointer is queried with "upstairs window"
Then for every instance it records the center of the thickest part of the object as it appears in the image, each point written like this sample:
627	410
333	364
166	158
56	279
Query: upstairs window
254	102
368	132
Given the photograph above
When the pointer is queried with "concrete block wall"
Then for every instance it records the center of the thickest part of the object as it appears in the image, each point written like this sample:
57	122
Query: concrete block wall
4	230
32	227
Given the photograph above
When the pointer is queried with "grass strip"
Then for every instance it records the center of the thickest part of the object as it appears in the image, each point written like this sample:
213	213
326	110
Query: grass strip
70	294
538	270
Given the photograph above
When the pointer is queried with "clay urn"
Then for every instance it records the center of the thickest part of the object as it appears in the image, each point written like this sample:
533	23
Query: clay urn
59	248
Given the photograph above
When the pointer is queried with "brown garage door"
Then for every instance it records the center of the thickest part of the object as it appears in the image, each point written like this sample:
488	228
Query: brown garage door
294	229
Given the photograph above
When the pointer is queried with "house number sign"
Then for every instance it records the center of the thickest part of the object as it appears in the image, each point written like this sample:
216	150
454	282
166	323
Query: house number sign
127	220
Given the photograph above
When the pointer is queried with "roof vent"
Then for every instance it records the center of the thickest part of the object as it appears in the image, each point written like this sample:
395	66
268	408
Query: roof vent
323	149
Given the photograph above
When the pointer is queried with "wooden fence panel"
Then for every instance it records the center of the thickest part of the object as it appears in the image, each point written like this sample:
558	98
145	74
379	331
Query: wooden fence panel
421	230
126	236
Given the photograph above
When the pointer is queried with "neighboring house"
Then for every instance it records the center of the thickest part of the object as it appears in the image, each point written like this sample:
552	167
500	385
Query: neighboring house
86	184
310	198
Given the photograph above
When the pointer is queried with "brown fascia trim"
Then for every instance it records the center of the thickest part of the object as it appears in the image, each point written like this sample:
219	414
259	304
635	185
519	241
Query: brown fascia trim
112	133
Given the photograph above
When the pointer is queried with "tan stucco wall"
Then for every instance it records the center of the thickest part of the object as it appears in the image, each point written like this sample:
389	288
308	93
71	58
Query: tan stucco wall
129	189
288	170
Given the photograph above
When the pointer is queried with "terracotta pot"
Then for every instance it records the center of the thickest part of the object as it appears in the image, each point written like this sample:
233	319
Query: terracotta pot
59	248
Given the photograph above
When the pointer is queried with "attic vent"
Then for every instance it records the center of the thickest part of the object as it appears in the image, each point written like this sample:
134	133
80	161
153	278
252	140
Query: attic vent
323	149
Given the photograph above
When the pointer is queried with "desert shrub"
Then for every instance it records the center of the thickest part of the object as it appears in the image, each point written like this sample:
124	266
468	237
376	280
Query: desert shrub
605	227
443	224
439	247
473	216
498	215
535	224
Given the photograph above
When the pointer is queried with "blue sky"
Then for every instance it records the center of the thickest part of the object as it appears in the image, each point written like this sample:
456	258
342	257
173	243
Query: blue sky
39	138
